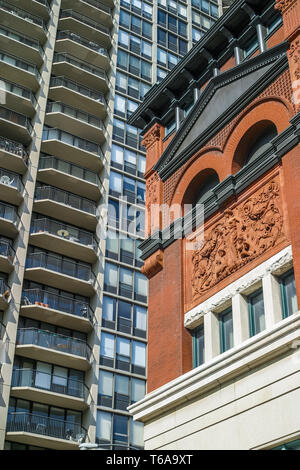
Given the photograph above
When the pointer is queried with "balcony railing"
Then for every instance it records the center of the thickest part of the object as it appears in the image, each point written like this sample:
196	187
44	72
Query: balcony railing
57	302
60	265
16	118
18	90
23	39
9	213
54	341
80	40
80	64
99	5
11	179
85	20
4	289
47	161
64	197
59	107
23	14
46	426
16	62
7	250
69	139
16	148
78	88
49	382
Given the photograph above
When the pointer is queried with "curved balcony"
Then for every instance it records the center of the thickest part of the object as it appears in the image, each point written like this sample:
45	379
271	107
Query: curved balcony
11	187
58	310
64	239
22	21
18	98
43	345
70	177
24	73
42	431
71	119
84	26
22	46
13	155
72	148
66	206
7	254
15	125
51	389
92	8
89	51
35	7
77	96
4	295
9	220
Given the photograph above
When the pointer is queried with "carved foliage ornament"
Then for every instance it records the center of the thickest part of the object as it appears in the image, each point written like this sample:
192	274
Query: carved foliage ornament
294	54
284	5
151	137
242	235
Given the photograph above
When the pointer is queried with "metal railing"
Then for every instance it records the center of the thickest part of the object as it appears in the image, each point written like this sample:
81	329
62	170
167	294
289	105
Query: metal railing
35	44
8	212
58	107
13	147
80	64
57	302
16	118
67	232
84	20
69	139
78	88
99	5
84	42
44	425
4	289
11	179
16	62
23	14
11	87
60	265
54	341
64	197
7	250
49	382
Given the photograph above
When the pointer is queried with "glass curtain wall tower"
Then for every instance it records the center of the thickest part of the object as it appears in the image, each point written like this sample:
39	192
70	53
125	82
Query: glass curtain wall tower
73	307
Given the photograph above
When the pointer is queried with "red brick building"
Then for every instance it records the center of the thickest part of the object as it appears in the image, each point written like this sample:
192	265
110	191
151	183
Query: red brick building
222	129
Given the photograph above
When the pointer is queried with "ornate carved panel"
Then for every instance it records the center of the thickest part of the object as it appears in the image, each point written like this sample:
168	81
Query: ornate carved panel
245	232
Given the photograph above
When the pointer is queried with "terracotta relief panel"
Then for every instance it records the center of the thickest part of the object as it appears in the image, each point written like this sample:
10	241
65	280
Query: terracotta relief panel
245	232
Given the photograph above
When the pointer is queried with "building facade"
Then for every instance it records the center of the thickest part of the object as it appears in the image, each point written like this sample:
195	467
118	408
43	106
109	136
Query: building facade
222	238
71	73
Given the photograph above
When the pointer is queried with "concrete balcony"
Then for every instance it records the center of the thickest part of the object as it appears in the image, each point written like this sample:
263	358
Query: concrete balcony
15	126
9	220
31	429
4	295
22	21
66	206
37	386
14	69
11	187
72	149
69	67
7	254
35	7
75	121
18	98
95	9
85	27
69	177
65	312
78	96
21	46
83	49
53	270
13	156
50	347
64	239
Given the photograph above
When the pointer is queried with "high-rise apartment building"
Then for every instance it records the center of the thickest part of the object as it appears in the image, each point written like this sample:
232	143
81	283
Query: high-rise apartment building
74	306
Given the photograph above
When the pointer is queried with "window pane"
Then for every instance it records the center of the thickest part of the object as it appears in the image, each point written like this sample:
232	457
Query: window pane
103	427
257	313
105	383
226	330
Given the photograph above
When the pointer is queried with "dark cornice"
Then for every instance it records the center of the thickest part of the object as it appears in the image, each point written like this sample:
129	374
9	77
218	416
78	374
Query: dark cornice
167	165
232	186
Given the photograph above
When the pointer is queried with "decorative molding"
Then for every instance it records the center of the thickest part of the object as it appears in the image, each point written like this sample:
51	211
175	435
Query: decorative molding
284	5
154	264
152	136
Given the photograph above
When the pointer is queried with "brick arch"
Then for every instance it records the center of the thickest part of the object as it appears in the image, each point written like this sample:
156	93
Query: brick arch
203	165
267	111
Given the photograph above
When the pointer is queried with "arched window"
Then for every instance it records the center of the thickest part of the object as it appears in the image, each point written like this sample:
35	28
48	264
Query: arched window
200	187
205	189
261	143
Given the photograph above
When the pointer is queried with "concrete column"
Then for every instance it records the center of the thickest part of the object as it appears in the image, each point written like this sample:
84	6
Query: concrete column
240	319
211	336
178	117
260	29
196	94
272	300
237	55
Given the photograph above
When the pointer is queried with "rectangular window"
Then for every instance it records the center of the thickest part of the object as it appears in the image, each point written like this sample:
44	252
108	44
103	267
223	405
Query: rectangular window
256	312
198	346
288	294
226	330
